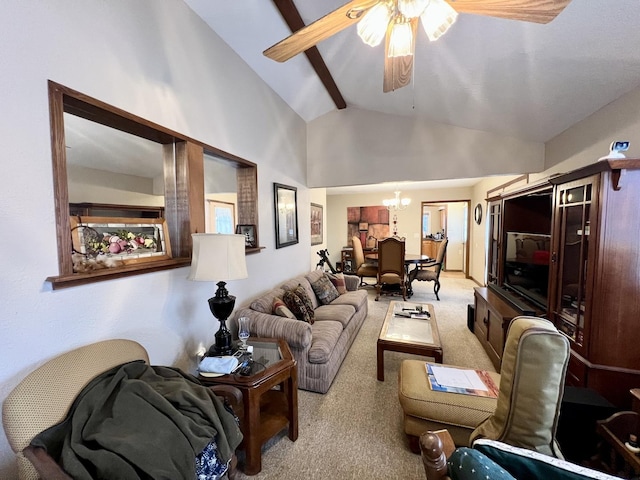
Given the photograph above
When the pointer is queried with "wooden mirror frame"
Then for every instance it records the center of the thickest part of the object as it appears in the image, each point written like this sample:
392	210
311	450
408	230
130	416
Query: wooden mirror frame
183	160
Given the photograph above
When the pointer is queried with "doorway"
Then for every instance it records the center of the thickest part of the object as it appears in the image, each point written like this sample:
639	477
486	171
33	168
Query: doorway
450	220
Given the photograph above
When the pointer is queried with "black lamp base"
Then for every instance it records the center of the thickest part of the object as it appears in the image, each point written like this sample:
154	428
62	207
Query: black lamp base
223	344
221	305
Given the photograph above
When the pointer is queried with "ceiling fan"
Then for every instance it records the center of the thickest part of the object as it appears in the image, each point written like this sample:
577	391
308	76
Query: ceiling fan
396	21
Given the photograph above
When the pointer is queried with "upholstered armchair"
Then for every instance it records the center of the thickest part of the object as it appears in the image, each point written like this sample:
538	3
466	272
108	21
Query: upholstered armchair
44	397
362	268
430	272
391	270
525	414
534	366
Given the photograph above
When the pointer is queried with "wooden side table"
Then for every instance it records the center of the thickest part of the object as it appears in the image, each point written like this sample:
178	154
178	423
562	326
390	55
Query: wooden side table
267	410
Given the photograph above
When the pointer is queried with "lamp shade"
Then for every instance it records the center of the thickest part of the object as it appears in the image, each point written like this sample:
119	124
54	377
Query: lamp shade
218	257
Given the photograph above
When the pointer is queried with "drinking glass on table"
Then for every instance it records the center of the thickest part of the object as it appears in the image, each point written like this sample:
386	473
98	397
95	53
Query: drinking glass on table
243	332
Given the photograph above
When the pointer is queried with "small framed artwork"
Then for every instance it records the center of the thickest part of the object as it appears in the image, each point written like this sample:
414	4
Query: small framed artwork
316	224
285	200
249	232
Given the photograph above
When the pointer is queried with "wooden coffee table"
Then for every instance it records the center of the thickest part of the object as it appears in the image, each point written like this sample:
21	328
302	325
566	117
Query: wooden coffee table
408	335
270	397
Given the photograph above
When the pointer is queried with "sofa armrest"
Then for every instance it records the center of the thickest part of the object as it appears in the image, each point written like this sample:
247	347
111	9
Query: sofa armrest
351	282
295	332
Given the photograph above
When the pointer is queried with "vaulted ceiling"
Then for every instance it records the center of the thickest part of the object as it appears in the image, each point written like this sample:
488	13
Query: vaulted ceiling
526	80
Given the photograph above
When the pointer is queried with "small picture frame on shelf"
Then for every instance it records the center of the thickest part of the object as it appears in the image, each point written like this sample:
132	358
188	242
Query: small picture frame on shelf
249	232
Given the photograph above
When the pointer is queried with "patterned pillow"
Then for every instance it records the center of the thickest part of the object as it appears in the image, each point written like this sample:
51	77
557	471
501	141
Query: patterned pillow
302	293
338	281
324	290
280	309
297	307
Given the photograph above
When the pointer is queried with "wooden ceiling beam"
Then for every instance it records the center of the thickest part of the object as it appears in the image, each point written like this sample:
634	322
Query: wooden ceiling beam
292	16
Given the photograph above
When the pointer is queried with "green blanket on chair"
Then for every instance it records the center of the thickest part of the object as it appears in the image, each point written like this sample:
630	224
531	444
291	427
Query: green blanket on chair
139	421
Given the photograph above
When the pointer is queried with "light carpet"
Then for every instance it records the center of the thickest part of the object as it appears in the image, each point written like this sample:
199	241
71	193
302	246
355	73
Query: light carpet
354	431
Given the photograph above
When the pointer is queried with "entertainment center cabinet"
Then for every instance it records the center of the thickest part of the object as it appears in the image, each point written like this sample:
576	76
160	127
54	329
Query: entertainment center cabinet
568	249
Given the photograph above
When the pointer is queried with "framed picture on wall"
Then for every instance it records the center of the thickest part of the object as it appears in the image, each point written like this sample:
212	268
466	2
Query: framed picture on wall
285	201
316	224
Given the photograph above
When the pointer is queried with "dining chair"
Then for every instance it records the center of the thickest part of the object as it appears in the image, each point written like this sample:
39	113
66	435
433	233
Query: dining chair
430	272
362	268
391	270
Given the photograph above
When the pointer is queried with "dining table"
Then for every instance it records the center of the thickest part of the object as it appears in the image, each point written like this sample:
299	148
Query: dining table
409	259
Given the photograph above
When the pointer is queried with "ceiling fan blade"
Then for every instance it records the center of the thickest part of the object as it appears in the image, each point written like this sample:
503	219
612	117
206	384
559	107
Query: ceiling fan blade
398	70
315	32
537	11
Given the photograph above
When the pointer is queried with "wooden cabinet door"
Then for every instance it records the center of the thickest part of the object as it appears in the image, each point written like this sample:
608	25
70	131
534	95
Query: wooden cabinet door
495	242
573	257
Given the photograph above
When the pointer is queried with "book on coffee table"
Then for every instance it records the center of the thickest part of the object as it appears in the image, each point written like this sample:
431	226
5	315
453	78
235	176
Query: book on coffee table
461	380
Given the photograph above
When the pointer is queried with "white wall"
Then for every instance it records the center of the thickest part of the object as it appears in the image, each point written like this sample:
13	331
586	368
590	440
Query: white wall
589	139
357	147
101	186
159	61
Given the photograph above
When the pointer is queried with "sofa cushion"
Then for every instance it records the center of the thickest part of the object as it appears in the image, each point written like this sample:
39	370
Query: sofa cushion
338	313
264	304
324	338
338	281
297	306
356	299
281	309
325	290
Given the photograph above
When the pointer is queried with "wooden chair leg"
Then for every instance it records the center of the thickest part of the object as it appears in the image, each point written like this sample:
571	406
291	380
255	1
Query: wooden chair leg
414	443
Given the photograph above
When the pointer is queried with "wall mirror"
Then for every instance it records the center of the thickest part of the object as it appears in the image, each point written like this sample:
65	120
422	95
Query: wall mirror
111	166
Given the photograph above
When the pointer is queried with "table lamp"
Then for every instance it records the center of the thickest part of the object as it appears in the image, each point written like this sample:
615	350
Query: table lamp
218	257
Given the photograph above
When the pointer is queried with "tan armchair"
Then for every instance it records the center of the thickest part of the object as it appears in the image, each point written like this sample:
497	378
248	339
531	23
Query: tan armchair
391	270
430	272
44	397
362	268
525	414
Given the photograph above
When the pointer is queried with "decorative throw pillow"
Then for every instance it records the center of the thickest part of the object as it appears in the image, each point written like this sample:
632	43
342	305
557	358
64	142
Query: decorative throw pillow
297	307
302	293
338	281
324	290
281	309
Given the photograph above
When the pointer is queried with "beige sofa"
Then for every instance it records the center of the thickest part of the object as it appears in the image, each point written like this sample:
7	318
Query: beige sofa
319	348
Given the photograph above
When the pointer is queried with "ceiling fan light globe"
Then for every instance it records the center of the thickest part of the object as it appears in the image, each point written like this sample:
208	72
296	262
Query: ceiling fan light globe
373	26
401	41
412	8
437	19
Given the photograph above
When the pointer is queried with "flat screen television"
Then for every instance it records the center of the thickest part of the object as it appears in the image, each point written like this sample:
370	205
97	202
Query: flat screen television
526	264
